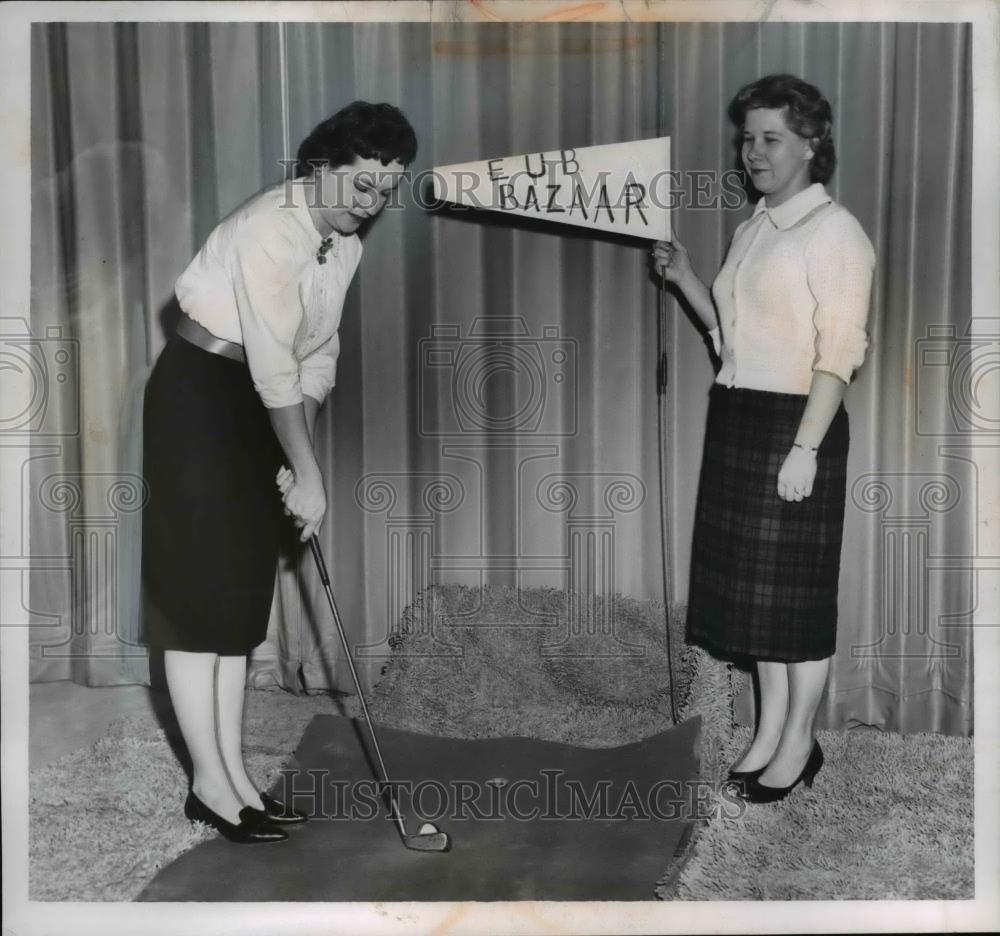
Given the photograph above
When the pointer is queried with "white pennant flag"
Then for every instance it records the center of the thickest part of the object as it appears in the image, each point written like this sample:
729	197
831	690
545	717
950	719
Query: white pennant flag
619	187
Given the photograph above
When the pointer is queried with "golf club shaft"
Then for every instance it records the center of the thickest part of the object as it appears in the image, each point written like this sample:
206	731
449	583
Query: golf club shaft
325	577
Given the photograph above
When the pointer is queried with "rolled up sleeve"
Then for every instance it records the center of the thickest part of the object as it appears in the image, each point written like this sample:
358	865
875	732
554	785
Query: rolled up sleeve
319	369
840	264
264	274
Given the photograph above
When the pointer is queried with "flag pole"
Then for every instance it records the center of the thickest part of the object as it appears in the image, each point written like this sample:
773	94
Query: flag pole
663	435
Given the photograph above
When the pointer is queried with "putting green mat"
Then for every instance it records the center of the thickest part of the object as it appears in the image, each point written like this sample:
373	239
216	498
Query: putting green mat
528	820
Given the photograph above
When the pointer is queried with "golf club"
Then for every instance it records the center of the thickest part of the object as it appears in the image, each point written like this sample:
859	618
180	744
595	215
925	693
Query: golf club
425	839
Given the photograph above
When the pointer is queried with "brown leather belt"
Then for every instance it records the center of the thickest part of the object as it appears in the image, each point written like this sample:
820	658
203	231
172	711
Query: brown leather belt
190	330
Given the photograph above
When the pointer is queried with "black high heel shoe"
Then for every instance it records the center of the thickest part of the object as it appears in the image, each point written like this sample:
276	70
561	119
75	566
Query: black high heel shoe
740	778
279	813
252	829
757	792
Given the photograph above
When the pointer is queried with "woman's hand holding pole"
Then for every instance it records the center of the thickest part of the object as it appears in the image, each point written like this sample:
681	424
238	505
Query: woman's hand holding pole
301	486
672	263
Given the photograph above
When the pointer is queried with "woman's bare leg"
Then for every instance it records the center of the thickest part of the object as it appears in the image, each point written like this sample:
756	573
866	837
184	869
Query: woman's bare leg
191	682
773	680
231	684
806	682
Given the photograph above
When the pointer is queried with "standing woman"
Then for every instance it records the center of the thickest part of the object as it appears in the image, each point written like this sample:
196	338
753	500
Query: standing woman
789	323
231	401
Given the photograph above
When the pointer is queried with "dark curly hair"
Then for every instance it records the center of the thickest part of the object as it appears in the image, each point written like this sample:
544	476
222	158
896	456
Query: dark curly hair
807	113
371	131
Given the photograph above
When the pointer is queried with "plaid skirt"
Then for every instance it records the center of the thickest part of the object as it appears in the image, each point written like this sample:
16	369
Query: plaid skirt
764	571
213	523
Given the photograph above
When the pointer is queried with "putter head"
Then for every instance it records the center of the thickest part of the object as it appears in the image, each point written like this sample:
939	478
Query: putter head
428	842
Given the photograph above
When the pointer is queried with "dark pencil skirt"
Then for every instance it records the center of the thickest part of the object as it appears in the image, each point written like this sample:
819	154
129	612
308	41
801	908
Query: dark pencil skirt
214	518
764	571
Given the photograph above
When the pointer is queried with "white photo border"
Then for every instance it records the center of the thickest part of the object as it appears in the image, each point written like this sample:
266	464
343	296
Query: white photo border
22	916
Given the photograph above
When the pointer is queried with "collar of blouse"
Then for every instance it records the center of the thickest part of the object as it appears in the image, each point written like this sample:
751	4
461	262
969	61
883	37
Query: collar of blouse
796	208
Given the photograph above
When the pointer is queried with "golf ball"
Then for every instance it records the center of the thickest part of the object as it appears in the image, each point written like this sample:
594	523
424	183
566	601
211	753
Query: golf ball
428	828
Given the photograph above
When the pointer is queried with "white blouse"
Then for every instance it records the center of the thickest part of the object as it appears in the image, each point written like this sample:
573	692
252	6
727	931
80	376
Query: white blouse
257	282
793	295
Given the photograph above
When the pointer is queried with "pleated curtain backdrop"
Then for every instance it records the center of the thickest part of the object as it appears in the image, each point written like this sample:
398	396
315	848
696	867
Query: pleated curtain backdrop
530	457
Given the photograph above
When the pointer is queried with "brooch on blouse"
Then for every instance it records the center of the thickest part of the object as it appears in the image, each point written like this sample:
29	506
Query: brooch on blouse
324	249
